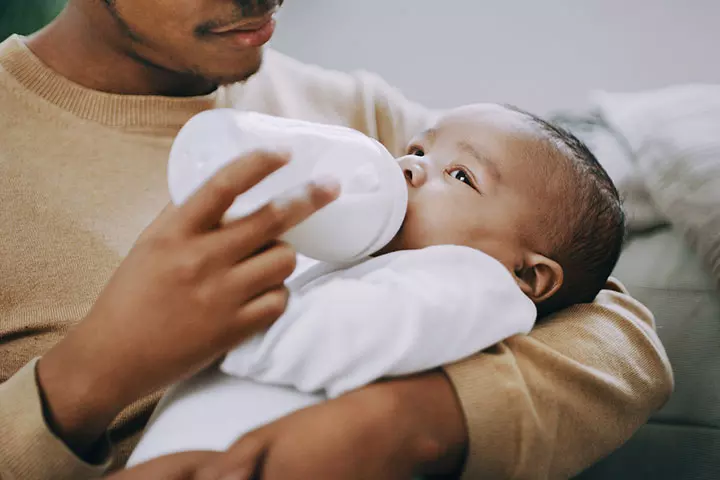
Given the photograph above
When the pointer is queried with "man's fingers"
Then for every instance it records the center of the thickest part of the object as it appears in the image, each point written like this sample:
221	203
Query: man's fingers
179	466
205	209
261	312
254	316
241	462
164	222
243	237
260	273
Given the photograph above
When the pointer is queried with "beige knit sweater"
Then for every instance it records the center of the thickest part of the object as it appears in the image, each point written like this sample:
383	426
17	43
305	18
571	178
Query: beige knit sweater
83	172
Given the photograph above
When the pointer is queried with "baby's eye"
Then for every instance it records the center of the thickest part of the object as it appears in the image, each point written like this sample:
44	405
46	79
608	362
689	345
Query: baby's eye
462	175
417	151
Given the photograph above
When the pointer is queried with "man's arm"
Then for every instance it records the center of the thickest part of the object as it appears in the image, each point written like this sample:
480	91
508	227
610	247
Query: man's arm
543	406
551	404
387	431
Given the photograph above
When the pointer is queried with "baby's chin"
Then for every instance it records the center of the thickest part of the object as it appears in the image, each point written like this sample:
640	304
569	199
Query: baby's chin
404	240
395	245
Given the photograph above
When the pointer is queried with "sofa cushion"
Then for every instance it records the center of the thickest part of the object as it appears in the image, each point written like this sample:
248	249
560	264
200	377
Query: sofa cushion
662	272
682	441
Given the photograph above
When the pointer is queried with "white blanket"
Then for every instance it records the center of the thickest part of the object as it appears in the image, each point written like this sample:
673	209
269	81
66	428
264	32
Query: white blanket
674	136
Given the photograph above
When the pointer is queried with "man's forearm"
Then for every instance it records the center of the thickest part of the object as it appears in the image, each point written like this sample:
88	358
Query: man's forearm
429	404
532	402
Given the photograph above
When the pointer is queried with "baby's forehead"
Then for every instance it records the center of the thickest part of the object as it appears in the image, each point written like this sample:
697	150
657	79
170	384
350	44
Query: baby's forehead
488	116
497	131
511	139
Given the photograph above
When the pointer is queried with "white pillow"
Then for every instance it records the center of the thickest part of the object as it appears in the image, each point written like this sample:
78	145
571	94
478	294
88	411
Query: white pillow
674	135
613	153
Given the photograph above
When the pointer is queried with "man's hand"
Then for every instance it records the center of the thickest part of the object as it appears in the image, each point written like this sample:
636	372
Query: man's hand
178	466
187	292
391	430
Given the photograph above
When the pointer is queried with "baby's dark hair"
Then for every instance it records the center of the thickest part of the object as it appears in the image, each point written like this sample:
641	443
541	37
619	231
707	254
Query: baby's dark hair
588	231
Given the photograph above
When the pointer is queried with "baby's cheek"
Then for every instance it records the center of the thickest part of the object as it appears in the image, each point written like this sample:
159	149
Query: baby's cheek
420	231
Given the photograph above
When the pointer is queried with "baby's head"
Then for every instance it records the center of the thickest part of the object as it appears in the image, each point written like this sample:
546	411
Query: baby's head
521	190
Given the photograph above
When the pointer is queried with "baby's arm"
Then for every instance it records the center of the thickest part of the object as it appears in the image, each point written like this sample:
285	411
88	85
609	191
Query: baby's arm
420	310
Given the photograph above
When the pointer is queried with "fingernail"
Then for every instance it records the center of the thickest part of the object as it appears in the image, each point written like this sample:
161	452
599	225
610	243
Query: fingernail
284	154
327	183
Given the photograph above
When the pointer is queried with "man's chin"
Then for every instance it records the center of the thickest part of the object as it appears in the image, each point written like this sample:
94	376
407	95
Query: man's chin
242	74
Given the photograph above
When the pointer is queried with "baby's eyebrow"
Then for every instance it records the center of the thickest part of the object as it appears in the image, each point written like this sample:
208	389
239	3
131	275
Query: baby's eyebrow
481	159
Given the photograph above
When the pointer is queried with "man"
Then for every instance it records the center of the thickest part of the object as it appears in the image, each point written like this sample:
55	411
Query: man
90	107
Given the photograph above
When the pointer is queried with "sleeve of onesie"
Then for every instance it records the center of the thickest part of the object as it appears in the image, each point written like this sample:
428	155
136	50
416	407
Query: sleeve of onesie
423	309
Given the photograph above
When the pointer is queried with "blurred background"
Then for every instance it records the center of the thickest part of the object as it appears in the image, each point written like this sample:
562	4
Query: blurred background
541	55
656	129
26	16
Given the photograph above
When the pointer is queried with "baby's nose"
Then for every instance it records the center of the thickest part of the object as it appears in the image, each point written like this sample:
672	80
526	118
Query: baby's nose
414	169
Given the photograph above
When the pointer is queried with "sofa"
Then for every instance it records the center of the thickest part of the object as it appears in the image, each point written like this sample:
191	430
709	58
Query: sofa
662	148
682	441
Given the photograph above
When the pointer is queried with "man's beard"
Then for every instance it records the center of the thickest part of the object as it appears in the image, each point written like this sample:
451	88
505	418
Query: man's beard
112	8
243	9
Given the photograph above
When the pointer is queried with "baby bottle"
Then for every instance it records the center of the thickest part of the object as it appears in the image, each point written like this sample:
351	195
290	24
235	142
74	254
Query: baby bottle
373	198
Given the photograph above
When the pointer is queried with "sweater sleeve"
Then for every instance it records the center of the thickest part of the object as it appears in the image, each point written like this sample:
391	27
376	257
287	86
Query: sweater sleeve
550	404
28	448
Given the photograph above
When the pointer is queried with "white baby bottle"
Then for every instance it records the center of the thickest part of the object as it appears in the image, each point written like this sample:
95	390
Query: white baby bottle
373	198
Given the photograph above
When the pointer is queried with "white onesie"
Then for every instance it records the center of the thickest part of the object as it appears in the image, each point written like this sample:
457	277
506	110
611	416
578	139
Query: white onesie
397	314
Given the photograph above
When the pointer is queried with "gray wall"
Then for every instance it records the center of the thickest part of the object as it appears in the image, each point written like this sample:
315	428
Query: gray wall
538	54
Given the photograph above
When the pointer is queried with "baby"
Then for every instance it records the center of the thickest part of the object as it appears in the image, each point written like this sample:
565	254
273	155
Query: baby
509	218
523	191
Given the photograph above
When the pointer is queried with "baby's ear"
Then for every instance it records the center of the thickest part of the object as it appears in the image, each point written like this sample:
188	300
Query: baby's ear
539	277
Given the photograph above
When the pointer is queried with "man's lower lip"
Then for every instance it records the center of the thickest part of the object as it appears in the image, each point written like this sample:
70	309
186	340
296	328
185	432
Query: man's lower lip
251	38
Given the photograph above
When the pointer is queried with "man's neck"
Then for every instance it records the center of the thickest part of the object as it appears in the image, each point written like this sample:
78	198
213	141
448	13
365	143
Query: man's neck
69	48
